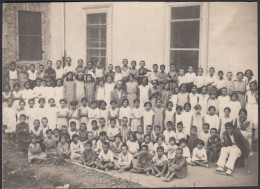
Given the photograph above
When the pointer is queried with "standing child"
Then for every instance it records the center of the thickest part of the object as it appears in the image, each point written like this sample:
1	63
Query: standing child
171	149
187	114
197	118
234	105
211	78
32	76
22	134
213	101
199	156
89	156
49	89
13	74
23	76
166	94
199	81
99	72
52	114
174	97
112	130
40	72
103	111
144	91
76	147
27	93
212	119
190	78
50	144
83	133
203	100
177	116
73	129
32	113
113	112
223	100
193	139
63	147
6	94
100	91
142	71
124	130
154	93
110	71
79	85
193	97
45	127
159	114
225	119
9	121
169	113
214	145
159	162
69	88
124	160
180	133
161	77
35	151
169	132
181	77
58	91
229	83
37	131
136	115
105	159
220	82
148	115
21	110
74	113
132	90
118	74
172	76
133	145
92	140
182	95
116	146
62	114
109	87
140	135
89	88
177	167
125	111
156	133
252	105
147	141
93	114
205	134
125	71
186	151
133	70
83	111
95	129
38	90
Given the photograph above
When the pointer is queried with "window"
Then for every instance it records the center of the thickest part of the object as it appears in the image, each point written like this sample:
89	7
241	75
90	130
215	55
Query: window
185	36
30	35
97	38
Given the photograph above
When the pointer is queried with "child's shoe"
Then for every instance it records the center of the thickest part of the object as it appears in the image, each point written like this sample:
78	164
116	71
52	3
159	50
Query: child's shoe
220	169
206	165
158	175
228	172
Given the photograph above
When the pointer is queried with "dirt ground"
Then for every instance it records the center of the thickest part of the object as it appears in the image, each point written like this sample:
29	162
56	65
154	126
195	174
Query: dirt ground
18	173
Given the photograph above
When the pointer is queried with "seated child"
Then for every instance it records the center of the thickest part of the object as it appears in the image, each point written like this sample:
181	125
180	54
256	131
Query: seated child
140	135
89	156
142	163
65	132
91	139
147	141
199	156
83	133
56	135
155	134
169	132
100	142
180	133
35	151
186	151
116	146
73	129
204	135
177	167
95	129
124	160
63	147
133	146
149	129
160	142
50	144
124	130
159	162
105	159
76	147
171	148
214	145
45	127
193	139
112	130
37	131
102	124
22	134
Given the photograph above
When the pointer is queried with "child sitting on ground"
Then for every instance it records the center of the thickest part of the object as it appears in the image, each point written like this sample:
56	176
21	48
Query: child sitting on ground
142	163
133	146
50	144
147	141
63	147
116	146
160	142
35	151
124	160
76	147
199	156
186	151
112	130
193	139
155	134
214	145
88	157
159	162
56	135
177	167
105	159
171	149
100	142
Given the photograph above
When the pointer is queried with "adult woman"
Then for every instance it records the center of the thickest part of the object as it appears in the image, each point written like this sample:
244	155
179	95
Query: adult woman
249	74
239	87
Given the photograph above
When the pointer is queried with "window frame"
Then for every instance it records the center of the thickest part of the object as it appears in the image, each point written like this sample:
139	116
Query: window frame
97	9
203	36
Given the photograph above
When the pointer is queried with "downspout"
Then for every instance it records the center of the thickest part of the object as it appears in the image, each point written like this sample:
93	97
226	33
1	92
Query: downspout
64	35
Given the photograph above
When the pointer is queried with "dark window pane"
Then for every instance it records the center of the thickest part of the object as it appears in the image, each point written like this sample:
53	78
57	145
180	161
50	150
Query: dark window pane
30	48
92	52
29	23
96	18
103	18
185	34
183	59
103	52
189	12
93	34
103	34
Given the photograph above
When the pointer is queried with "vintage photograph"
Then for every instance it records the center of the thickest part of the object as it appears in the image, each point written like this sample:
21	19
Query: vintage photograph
129	94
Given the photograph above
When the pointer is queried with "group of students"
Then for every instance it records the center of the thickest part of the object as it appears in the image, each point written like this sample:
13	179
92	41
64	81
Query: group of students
131	119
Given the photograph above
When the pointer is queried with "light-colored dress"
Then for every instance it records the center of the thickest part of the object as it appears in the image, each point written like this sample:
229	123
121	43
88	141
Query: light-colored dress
74	116
90	92
42	112
213	102
240	88
187	122
5	97
9	119
223	102
203	101
125	112
80	91
213	121
58	95
223	121
50	93
166	94
148	119
69	88
235	106
64	120
100	93
131	92
27	94
193	98
104	114
182	98
93	114
52	117
168	116
252	108
35	152
144	94
137	114
32	112
155	93
197	121
158	118
109	87
83	119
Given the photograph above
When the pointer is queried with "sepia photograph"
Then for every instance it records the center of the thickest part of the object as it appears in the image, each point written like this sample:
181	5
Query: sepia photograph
129	94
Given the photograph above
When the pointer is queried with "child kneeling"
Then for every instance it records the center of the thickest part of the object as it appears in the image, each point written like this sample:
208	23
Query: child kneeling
124	160
105	159
177	167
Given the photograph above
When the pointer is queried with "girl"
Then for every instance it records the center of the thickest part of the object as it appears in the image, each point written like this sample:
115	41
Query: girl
174	97
171	149
113	112
89	88
27	93
132	90
252	104
137	115
144	91
234	105
90	69
158	114
69	88
159	142
182	95
213	101
23	76
109	87
142	71
35	150
93	114
32	113
203	100
187	114
83	111
58	91
63	147
212	119
100	91
133	145
62	114
154	93
52	114
21	110
22	134
76	147
42	110
148	115
74	113
162	77
99	72
177	116
223	100
80	68
79	84
118	74
223	120
239	87
50	144
168	113
50	91
193	97
249	74
124	111
103	112
181	77
172	77
166	94
6	94
125	71
197	118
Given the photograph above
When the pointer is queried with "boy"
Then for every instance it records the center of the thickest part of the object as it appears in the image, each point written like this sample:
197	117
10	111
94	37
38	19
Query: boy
59	70
159	162
124	160
88	157
142	163
190	77
112	130
124	130
105	159
155	134
181	77
153	75
161	77
23	135
204	135
169	132
83	133
13	74
50	72
199	81
40	72
186	151
214	145
35	151
32	76
147	141
110	71
229	83
211	79
100	142
95	129
180	133
65	132
193	139
220	82
23	76
91	139
177	167
68	67
149	129
223	101
102	125
199	156
73	130
116	146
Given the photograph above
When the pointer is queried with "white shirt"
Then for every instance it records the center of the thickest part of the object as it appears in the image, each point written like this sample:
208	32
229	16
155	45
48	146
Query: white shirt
125	159
148	115
159	161
59	72
199	81
153	76
210	79
182	79
69	69
221	83
167	135
205	137
13	74
213	121
155	146
111	132
132	146
180	135
199	154
190	77
32	75
106	157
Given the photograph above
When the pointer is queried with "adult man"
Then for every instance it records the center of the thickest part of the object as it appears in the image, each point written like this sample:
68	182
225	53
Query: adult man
118	94
59	70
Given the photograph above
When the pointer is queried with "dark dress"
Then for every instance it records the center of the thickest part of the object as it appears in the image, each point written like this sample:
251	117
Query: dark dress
23	136
179	167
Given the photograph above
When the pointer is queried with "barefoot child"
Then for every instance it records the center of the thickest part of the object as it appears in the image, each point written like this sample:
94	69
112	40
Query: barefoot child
63	147
22	134
50	144
124	160
88	157
214	145
76	147
133	146
105	159
199	156
159	162
35	150
116	146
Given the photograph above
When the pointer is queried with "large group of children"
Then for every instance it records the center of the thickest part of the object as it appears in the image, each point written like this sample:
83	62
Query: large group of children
138	120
